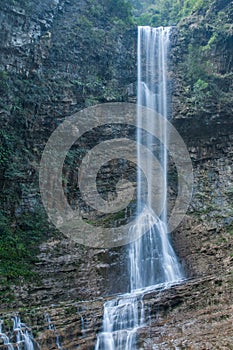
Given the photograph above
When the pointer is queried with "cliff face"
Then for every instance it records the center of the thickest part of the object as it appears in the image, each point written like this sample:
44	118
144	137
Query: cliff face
195	315
59	57
202	108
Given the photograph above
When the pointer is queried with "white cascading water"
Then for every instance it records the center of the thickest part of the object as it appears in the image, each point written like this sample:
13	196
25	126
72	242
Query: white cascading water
22	337
51	326
5	338
152	259
122	317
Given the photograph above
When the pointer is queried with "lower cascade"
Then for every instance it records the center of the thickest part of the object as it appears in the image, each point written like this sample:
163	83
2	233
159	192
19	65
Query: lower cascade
122	317
21	336
51	326
153	263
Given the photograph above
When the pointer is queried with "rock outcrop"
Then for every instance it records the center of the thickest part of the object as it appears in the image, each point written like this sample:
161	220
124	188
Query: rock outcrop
193	315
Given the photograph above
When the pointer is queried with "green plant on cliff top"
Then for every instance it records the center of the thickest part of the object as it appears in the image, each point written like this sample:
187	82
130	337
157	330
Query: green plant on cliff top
119	8
165	12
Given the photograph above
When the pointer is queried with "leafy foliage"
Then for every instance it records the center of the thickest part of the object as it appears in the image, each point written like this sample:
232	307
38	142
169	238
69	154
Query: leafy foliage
165	12
207	64
32	102
119	8
19	244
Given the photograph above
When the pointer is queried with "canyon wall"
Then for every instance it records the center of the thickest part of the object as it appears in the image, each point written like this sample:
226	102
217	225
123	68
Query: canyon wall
59	57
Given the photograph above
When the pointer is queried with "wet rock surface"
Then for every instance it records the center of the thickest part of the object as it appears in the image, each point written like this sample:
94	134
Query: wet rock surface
194	315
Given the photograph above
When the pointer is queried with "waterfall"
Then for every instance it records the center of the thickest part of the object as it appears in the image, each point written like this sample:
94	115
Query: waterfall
51	326
152	260
21	335
5	338
122	317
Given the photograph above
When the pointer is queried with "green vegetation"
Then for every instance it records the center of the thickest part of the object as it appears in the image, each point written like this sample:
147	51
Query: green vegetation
165	12
34	100
14	257
5	148
22	228
200	91
110	220
204	30
111	9
19	244
229	230
81	68
205	43
70	310
121	9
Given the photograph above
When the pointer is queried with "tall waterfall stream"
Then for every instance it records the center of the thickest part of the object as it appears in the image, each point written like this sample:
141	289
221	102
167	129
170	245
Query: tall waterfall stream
152	260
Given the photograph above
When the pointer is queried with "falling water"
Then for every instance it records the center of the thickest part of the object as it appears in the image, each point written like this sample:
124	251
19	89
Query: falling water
122	317
152	259
51	326
22	337
5	338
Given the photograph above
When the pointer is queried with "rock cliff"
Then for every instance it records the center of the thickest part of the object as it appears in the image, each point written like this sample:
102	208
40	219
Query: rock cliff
58	57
